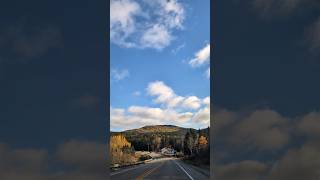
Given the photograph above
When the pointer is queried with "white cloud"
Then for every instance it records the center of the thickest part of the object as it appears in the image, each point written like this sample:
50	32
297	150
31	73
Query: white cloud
183	117
138	116
201	57
117	117
206	101
202	117
176	101
172	13
152	26
191	102
117	74
134	117
163	92
116	111
156	37
147	112
122	20
166	96
208	73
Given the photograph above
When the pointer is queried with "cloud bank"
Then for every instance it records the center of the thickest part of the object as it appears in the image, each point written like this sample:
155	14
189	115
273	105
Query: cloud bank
190	111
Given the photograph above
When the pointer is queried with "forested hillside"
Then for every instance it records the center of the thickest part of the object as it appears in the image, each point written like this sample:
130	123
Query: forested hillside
153	138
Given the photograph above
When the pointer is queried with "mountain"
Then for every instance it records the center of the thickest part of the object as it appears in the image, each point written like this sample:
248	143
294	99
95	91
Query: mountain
171	129
156	129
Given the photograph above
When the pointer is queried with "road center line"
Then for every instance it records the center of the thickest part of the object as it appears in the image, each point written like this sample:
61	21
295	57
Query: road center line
145	174
183	170
125	170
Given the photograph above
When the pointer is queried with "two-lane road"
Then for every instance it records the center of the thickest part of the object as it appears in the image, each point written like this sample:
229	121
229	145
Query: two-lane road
160	170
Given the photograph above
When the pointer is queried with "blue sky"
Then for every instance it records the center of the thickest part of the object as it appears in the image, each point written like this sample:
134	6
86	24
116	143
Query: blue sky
164	45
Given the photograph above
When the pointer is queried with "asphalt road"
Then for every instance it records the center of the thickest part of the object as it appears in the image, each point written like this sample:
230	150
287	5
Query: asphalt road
165	169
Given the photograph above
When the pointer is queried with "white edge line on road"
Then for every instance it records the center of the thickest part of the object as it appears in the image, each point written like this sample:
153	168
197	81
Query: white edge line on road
125	170
184	170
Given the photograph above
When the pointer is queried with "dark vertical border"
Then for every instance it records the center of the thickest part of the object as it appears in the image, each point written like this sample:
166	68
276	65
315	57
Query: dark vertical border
212	46
107	65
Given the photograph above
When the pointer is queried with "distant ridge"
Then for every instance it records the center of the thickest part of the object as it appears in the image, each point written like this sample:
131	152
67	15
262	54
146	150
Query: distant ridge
156	129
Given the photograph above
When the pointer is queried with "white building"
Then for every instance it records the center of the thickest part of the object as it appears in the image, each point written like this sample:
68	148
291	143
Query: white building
168	151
